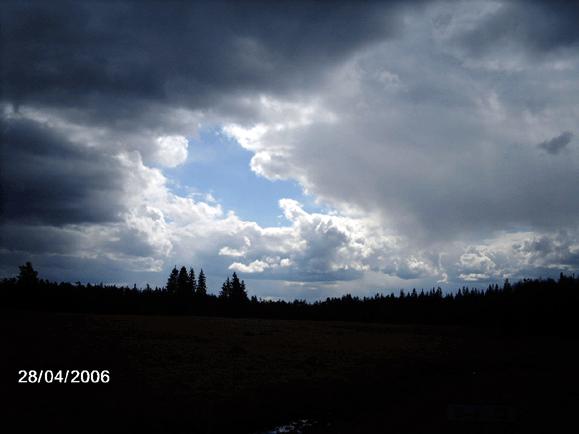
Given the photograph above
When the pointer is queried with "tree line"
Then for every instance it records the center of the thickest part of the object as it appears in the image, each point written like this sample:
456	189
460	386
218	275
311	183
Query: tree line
531	305
183	284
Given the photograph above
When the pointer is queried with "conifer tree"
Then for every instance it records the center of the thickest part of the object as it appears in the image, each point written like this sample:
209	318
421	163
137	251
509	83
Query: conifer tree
507	287
238	292
183	281
201	284
28	277
172	281
225	290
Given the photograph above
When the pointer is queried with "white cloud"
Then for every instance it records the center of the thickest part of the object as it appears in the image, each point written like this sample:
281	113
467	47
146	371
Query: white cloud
256	266
519	254
171	151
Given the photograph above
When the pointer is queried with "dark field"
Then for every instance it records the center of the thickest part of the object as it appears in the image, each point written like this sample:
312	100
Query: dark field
209	375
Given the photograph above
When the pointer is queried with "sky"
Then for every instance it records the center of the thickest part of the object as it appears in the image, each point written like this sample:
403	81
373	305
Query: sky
315	148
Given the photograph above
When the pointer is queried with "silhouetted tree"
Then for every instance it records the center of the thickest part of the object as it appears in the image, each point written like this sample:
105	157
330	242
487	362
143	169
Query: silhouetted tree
183	282
507	286
172	281
225	293
28	277
238	292
201	284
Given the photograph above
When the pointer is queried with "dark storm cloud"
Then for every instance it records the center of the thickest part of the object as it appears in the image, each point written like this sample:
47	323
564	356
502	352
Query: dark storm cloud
112	58
557	144
40	239
47	178
538	26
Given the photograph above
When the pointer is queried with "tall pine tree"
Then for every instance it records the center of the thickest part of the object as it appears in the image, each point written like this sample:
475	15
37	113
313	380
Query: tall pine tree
225	293
201	284
183	282
172	281
238	292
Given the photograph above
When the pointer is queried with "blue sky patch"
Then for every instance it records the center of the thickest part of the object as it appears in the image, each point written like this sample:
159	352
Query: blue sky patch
218	165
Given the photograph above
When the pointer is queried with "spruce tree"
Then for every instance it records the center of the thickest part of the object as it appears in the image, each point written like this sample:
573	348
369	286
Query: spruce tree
201	284
238	292
172	281
225	290
183	282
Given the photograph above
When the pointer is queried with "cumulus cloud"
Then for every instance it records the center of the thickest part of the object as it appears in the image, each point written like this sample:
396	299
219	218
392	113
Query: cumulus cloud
256	266
171	150
324	247
519	255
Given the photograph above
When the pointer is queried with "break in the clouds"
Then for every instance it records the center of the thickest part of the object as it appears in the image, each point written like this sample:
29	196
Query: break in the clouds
434	142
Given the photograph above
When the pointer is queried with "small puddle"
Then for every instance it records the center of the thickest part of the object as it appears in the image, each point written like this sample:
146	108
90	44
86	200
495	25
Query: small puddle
294	427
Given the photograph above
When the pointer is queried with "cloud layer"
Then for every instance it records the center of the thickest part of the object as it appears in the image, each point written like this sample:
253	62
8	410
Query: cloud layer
438	139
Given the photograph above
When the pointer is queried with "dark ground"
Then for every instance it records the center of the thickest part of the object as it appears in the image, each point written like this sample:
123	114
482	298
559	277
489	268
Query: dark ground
210	375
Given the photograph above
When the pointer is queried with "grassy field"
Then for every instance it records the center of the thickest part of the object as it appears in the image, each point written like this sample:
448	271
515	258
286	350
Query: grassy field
210	375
